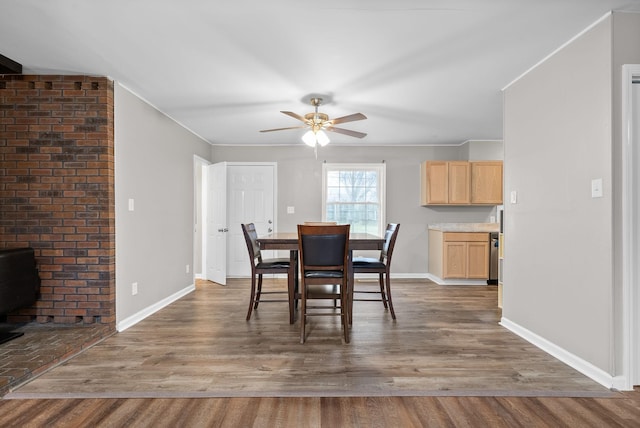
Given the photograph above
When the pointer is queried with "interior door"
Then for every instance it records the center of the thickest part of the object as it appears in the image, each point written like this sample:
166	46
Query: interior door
250	199
216	223
635	138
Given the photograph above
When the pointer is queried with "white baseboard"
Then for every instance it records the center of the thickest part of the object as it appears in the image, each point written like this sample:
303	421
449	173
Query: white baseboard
622	383
441	281
139	316
584	367
409	275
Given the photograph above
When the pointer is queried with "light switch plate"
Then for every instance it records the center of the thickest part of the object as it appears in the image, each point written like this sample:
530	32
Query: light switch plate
291	210
514	197
596	188
131	206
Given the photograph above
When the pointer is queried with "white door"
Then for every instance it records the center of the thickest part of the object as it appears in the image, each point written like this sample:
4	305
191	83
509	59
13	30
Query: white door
250	197
635	141
216	224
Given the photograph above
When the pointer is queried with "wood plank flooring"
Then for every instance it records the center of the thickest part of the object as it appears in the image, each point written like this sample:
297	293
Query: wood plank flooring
326	412
444	362
446	341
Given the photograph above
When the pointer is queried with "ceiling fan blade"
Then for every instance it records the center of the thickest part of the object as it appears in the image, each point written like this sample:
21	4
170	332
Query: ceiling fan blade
346	132
282	129
295	116
349	118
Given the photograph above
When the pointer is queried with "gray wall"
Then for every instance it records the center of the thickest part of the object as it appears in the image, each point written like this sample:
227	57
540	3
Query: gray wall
300	186
626	50
153	166
560	132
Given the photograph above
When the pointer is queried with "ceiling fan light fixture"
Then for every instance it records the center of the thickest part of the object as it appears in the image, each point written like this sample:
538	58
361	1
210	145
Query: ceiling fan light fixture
309	138
322	138
318	122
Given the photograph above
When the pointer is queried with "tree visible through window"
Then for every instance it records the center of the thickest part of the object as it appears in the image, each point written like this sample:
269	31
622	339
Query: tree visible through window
355	194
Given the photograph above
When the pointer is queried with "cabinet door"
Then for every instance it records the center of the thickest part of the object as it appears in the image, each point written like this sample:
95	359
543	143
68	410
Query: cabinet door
478	260
455	260
486	182
459	183
435	181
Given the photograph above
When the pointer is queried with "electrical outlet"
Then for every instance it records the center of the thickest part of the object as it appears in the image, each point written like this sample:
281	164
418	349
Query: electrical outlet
134	288
187	269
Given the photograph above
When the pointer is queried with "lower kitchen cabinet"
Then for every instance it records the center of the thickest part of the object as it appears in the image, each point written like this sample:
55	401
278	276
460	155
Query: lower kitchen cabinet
459	255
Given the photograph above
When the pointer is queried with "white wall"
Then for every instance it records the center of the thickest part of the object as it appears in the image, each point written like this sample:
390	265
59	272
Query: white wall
300	186
154	243
560	132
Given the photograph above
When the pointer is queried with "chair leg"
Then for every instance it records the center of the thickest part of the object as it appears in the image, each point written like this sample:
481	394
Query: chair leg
382	294
393	314
252	298
344	312
258	292
303	313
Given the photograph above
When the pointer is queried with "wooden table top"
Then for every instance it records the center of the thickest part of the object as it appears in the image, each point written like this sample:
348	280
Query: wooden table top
289	241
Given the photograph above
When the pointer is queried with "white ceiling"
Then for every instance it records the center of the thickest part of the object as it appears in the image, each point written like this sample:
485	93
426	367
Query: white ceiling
423	71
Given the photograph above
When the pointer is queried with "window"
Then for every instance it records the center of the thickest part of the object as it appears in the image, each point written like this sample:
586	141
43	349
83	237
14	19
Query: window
355	194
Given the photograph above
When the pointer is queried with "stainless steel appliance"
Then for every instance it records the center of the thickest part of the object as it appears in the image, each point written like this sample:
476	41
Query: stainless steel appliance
493	258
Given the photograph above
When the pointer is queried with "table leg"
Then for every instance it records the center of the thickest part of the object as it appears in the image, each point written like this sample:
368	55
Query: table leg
292	284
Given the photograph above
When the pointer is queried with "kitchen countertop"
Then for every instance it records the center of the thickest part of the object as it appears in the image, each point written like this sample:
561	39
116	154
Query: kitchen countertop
465	227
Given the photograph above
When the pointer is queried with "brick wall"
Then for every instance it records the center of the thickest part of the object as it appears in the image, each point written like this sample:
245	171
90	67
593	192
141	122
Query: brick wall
57	191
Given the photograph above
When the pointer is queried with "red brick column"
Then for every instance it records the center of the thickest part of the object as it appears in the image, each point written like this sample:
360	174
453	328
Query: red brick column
57	191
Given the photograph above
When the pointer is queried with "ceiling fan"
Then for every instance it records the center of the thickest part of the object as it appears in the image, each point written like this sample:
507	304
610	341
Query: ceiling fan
319	122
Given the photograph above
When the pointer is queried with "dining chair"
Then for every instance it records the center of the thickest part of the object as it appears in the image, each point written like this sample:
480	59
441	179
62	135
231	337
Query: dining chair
320	223
324	264
260	266
381	266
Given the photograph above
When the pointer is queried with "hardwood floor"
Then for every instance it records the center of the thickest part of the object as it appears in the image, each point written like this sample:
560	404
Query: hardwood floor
325	412
444	362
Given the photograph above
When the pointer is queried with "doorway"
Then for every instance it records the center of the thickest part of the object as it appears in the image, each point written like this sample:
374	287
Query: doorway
237	192
199	165
631	226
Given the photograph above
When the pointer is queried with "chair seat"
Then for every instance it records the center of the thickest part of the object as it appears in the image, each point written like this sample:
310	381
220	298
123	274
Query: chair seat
323	274
273	264
319	291
368	262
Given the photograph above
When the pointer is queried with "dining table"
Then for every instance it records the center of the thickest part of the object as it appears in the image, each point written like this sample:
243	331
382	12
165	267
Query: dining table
289	241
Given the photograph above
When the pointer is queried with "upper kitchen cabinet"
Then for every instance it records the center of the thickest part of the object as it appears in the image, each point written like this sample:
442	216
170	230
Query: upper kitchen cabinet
445	182
486	182
461	183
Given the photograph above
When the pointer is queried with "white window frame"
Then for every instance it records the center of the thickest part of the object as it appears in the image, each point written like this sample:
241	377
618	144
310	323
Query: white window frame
380	168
